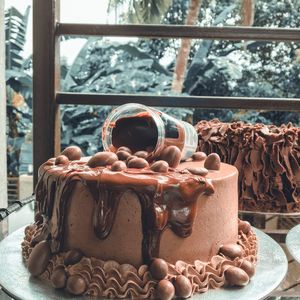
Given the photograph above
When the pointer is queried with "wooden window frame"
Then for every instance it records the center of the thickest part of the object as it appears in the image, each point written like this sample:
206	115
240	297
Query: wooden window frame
47	96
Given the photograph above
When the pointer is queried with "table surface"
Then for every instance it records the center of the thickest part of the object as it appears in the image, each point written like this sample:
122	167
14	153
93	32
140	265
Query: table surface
25	216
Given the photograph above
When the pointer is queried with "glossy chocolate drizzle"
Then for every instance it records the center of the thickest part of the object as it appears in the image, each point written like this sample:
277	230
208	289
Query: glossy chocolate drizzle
167	200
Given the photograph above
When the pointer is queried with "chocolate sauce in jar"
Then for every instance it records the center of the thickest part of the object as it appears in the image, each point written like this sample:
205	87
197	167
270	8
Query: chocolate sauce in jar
137	133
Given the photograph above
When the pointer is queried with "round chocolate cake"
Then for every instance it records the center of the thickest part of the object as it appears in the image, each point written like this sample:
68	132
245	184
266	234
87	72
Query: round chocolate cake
116	225
267	158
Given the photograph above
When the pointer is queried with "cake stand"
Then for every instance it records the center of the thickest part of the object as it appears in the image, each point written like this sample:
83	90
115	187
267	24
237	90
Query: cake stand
293	242
15	279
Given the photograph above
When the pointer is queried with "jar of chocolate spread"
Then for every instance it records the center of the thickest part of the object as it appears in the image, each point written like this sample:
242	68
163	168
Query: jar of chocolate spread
143	128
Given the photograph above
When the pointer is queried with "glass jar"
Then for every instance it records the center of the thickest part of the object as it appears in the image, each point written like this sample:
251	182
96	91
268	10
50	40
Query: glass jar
143	128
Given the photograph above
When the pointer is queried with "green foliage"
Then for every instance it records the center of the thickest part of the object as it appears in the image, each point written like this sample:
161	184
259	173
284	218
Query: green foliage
15	36
18	87
142	11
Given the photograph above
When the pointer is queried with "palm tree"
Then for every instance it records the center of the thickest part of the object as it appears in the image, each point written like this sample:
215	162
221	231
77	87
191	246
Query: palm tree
151	11
184	51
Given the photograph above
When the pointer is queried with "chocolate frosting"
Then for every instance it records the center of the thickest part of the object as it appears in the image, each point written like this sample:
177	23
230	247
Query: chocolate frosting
113	280
267	158
160	195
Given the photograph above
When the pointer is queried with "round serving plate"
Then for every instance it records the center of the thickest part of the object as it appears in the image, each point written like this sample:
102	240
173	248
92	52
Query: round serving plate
14	278
293	242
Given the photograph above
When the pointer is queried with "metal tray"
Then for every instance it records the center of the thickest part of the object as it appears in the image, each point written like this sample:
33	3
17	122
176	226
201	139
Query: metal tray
293	242
16	281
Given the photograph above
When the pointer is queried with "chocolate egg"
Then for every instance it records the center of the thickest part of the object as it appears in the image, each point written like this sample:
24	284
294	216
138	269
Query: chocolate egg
59	278
158	268
212	162
102	159
142	154
171	155
39	258
138	163
72	153
199	156
123	155
236	276
126	149
118	166
124	269
73	257
76	285
160	166
40	235
231	250
183	287
165	290
198	171
244	226
61	160
130	158
38	218
248	267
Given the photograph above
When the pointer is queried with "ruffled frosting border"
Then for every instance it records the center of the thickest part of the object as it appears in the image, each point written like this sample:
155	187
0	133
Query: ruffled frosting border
113	280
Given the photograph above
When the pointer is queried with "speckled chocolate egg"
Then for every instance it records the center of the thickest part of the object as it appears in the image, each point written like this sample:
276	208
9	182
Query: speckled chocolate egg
124	269
236	276
123	155
183	287
160	166
76	285
171	155
73	257
102	159
72	153
39	258
212	162
244	226
198	171
130	158
142	154
199	156
61	160
165	290
231	250
158	268
124	148
138	163
118	166
59	278
248	267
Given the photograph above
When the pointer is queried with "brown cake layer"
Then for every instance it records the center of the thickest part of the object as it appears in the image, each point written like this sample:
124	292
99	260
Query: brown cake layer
267	158
136	214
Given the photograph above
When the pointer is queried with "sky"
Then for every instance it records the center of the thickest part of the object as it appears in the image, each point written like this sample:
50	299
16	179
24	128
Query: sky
87	11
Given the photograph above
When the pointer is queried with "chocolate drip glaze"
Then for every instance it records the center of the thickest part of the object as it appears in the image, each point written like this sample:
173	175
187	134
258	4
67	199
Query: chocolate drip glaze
167	200
267	158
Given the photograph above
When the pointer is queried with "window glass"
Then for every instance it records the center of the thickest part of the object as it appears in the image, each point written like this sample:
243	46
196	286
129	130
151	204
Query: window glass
213	68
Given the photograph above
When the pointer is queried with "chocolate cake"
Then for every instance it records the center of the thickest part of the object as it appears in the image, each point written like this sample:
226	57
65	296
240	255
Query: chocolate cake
267	158
116	225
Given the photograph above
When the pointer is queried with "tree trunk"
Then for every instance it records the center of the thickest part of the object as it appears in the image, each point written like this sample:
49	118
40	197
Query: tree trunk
247	12
184	51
